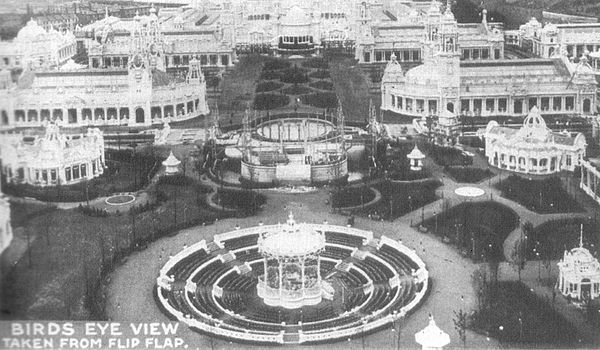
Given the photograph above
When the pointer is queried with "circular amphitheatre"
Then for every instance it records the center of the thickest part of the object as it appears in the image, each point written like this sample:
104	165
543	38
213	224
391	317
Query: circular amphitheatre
292	283
469	191
120	199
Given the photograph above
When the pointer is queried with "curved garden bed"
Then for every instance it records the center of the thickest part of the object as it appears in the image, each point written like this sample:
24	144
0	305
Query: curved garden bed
316	62
297	90
320	74
294	75
322	85
270	101
320	100
268	86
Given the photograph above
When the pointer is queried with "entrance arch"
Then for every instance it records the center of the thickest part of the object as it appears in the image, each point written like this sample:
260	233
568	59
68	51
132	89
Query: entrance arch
139	115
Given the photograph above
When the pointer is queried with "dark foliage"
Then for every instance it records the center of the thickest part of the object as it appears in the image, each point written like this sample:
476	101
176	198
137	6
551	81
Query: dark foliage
320	100
264	102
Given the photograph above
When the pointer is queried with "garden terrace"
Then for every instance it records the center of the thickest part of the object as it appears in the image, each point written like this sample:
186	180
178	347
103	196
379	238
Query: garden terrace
506	302
343	239
480	225
544	196
468	174
249	255
552	238
253	320
240	242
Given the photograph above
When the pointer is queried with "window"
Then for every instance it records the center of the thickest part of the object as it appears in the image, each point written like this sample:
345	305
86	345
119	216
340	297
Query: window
466	54
75	172
68	173
399	102
393	101
556	103
570	103
497	54
83	170
485	54
378	56
518	106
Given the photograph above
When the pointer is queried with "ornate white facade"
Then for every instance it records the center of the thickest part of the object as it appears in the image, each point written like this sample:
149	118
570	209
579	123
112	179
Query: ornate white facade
34	47
579	274
6	234
142	94
54	158
185	34
534	148
551	39
485	87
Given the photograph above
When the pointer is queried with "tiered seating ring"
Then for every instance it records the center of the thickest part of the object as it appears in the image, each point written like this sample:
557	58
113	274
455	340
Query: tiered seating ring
211	287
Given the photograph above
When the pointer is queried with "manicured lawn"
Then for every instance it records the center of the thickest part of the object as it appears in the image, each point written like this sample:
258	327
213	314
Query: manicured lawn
297	89
552	238
320	100
540	325
542	196
70	249
351	87
264	102
126	172
478	229
468	174
268	86
352	196
446	156
294	75
243	200
322	85
239	85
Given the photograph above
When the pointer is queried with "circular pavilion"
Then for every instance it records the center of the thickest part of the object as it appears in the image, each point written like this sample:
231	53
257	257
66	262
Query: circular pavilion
292	283
534	148
292	275
297	147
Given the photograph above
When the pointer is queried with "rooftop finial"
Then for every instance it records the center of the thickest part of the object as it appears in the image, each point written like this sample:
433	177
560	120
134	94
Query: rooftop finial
484	16
581	236
105	11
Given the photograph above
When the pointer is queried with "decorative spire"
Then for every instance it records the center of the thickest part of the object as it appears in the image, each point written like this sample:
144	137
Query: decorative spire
484	16
105	11
581	236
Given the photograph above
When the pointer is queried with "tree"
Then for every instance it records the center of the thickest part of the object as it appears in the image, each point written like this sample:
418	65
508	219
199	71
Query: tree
460	325
518	254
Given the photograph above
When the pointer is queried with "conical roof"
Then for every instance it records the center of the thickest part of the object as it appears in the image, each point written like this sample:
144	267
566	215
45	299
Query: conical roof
171	161
432	336
415	154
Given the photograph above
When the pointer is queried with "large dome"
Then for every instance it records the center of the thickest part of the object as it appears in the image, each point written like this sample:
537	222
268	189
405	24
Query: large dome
30	32
296	17
291	240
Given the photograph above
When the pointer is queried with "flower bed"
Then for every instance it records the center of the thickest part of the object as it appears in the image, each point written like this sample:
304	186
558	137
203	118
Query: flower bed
275	64
316	62
270	75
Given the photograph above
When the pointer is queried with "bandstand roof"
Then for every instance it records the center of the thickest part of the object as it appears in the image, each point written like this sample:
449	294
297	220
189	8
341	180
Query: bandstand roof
432	336
171	160
415	154
291	240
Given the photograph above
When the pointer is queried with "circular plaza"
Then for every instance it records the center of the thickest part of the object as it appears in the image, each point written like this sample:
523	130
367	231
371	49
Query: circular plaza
291	283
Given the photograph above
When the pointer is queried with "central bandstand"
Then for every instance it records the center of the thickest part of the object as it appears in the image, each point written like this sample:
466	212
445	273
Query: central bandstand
292	283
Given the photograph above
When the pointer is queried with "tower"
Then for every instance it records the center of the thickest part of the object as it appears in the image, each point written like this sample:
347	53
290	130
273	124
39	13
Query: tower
448	57
140	75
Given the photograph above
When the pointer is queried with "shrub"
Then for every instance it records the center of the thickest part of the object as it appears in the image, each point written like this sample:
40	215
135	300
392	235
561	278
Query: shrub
320	100
270	75
270	101
276	64
175	180
320	74
322	85
315	62
294	75
297	90
268	86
